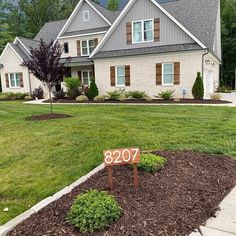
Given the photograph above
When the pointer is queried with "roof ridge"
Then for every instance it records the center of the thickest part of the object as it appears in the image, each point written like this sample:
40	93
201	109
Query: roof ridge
28	38
104	8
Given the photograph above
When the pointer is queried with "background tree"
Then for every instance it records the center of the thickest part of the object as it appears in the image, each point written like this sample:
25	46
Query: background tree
228	20
113	5
44	64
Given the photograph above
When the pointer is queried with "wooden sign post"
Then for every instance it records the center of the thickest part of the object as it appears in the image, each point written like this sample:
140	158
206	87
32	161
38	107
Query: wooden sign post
117	157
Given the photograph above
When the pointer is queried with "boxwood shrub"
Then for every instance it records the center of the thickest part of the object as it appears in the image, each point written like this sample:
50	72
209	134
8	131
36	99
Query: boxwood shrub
94	210
151	163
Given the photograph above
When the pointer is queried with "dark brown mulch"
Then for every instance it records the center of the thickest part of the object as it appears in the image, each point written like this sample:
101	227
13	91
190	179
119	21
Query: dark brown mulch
47	117
154	101
174	201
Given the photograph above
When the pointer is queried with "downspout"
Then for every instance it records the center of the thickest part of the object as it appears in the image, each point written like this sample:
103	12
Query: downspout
30	87
203	59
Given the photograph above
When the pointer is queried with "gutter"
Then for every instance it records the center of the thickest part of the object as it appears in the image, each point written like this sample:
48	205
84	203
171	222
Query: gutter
203	59
30	87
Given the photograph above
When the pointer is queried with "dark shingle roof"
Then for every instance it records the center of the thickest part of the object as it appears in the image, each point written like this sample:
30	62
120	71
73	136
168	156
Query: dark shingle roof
76	60
88	31
19	51
29	42
148	50
198	16
50	31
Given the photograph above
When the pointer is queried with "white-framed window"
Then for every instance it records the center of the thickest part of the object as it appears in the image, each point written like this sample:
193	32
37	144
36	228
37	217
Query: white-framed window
86	15
120	76
168	73
14	79
87	47
142	31
86	77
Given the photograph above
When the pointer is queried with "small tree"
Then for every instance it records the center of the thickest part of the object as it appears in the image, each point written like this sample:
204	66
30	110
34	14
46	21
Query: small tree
113	5
44	64
93	90
198	87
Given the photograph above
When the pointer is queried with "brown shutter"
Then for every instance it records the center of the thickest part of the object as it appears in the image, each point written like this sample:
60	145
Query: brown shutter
158	74
80	76
176	73
113	75
129	33
78	48
157	29
7	80
127	75
21	80
95	42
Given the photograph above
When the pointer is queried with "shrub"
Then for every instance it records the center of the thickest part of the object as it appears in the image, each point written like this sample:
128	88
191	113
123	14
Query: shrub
59	94
198	87
93	211
72	85
122	98
224	89
28	97
3	96
93	90
115	95
37	93
166	95
82	98
137	94
21	95
151	163
99	98
216	96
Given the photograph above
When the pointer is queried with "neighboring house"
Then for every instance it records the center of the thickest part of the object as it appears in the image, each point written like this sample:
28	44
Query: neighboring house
148	46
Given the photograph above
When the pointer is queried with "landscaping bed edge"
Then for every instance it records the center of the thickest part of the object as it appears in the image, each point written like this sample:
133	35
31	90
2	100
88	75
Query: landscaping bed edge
10	225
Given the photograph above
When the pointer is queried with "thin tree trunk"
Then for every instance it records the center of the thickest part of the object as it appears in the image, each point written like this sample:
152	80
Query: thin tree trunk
50	98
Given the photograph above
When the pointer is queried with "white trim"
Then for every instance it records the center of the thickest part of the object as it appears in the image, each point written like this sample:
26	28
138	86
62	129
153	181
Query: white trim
81	47
84	18
9	79
122	14
162	72
116	76
5	49
22	44
89	76
142	30
80	35
75	12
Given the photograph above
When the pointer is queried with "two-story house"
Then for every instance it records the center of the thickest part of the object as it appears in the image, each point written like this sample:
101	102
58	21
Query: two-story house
151	45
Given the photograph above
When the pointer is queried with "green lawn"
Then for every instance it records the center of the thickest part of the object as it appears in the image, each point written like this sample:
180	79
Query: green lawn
39	158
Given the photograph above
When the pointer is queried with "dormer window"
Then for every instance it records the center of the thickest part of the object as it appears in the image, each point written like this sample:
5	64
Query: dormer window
86	15
142	31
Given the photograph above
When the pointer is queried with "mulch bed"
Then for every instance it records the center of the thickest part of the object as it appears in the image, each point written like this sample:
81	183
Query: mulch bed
154	101
47	117
174	201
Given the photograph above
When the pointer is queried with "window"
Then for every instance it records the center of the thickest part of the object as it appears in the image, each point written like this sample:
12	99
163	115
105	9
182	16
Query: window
86	77
66	48
143	31
120	76
168	73
87	47
14	80
86	15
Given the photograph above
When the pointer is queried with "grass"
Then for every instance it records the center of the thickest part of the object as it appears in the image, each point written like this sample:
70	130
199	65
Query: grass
39	158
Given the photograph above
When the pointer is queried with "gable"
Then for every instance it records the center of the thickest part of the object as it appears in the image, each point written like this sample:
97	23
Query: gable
11	54
78	24
170	33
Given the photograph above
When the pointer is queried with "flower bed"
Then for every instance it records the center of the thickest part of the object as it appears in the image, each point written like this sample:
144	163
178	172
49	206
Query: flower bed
174	201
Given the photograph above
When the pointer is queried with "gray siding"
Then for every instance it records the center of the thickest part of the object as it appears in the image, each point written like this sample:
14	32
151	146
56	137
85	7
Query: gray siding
96	21
170	33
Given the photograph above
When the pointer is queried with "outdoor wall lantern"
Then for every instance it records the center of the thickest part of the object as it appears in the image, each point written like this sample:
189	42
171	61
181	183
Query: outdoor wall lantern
213	64
207	62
